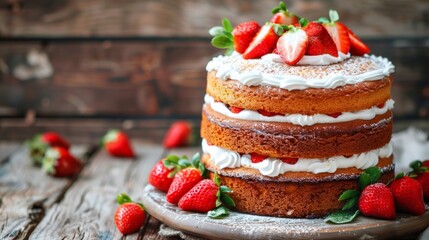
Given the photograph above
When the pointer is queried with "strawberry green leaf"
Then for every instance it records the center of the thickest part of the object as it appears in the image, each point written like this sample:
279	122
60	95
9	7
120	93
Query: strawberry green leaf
222	41
123	198
196	160
333	15
276	10
227	200
282	6
216	179
348	194
374	173
218	202
303	22
214	31
227	25
110	136
184	163
219	212
352	202
224	189
173	173
173	158
229	51
417	166
228	34
364	180
342	216
323	20
278	29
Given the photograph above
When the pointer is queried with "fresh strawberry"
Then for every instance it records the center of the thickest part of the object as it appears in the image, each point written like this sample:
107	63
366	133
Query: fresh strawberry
291	161
381	105
421	174
282	15
206	196
41	142
377	201
292	45
179	134
162	174
59	162
319	40
425	163
263	43
423	179
338	31
357	47
408	195
235	109
268	114
117	144
256	158
129	216
243	35
335	115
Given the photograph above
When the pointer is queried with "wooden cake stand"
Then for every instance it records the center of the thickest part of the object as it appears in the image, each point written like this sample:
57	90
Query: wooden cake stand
245	226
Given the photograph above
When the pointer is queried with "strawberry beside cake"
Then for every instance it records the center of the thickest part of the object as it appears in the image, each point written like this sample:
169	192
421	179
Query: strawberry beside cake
294	112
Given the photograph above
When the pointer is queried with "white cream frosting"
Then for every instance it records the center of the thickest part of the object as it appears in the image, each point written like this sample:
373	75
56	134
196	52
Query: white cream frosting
324	59
264	71
272	167
299	119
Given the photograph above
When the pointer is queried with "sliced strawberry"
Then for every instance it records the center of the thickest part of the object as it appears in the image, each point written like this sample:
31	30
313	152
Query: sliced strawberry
292	45
319	40
381	105
335	115
357	47
282	15
291	161
256	158
243	35
263	43
340	36
268	114
235	109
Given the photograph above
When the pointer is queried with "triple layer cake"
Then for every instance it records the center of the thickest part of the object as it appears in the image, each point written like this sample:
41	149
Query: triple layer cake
289	139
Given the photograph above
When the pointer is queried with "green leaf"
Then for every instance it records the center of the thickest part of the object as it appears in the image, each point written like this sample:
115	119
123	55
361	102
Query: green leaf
342	216
214	31
276	10
229	51
218	202
184	163
303	22
352	202
224	189
417	166
227	200
173	158
123	198
323	20
196	160
374	173
216	179
228	34
278	29
364	180
333	15
219	212
282	5
173	173
222	42
226	25
349	194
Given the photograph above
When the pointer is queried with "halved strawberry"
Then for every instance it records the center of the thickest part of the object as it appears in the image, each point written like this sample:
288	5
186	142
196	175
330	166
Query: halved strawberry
357	47
268	114
256	158
338	31
292	45
235	109
282	15
243	35
287	160
335	115
263	43
319	40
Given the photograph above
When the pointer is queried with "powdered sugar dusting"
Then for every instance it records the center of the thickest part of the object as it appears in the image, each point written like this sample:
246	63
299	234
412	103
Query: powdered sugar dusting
267	72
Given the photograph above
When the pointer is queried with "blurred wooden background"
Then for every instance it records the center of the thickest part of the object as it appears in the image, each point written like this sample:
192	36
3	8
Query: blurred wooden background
144	60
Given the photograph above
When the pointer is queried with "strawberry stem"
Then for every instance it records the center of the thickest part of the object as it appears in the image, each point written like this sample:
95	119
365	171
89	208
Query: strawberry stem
124	198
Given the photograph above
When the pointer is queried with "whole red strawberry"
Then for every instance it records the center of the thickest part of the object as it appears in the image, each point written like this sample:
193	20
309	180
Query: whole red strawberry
182	183
162	174
263	43
338	31
129	216
421	174
408	195
425	163
59	162
41	142
377	201
243	35
423	179
117	144
201	198
319	40
282	15
179	134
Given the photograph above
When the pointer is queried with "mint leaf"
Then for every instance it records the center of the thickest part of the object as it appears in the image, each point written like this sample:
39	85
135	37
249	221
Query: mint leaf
219	212
214	31
348	194
226	25
222	42
374	173
342	216
333	15
364	180
352	202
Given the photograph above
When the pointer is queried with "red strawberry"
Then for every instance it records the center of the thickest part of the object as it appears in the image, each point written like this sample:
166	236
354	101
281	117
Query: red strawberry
381	105
408	195
158	177
357	47
377	201
335	115
423	179
243	35
421	174
425	163
291	161
256	158
268	114
338	31
41	142
179	134
129	216
292	45
319	40
117	144
282	15
235	109
263	43
201	198
182	183
59	162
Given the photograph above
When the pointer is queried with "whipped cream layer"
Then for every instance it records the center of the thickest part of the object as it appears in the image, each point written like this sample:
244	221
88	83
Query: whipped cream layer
324	59
272	167
299	119
266	71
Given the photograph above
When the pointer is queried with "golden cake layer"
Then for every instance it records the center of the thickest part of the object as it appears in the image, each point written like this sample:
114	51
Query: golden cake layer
276	139
292	194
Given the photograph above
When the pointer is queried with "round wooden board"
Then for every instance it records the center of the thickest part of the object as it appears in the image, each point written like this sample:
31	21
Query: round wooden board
245	226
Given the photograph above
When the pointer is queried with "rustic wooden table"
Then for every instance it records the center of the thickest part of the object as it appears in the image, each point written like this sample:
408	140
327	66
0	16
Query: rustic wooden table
36	206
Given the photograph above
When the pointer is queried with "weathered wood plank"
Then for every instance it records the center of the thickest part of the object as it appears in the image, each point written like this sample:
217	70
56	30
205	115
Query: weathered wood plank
87	209
25	191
